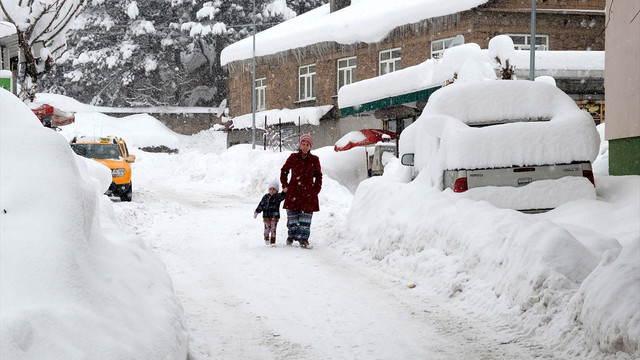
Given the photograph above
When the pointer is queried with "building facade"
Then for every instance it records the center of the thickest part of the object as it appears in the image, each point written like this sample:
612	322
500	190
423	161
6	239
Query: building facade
312	75
9	56
622	61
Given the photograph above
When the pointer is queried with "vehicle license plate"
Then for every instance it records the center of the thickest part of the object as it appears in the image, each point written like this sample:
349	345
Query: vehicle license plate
524	181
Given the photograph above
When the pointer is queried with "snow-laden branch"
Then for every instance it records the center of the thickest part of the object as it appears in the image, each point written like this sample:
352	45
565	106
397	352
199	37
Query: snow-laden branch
41	27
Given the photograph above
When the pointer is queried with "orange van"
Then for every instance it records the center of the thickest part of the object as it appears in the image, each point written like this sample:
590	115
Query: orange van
113	153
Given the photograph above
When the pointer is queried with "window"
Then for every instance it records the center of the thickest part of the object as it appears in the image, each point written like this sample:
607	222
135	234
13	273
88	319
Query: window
307	82
346	71
389	61
397	125
439	46
523	41
261	94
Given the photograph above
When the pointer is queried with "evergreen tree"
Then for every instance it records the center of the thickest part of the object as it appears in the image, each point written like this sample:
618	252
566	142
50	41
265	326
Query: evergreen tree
158	52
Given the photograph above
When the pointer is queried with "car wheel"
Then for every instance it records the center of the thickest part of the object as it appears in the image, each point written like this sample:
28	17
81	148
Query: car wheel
128	195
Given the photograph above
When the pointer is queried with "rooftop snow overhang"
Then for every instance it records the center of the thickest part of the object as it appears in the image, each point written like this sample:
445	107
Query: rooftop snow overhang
299	116
364	21
417	83
410	87
7	29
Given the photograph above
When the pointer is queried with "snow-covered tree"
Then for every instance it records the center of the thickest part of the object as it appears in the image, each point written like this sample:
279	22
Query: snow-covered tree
41	26
124	54
302	6
157	52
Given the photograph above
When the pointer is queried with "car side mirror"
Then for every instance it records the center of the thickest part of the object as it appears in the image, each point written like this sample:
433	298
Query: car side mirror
131	158
407	160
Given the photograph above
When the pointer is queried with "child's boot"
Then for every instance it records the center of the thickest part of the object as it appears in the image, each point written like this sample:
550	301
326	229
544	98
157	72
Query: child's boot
273	240
266	240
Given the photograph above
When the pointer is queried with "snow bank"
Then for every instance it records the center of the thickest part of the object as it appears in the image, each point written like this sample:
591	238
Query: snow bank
610	310
74	286
556	193
601	164
524	267
142	129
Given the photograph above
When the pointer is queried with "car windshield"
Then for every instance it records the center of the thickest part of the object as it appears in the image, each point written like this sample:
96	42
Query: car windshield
98	151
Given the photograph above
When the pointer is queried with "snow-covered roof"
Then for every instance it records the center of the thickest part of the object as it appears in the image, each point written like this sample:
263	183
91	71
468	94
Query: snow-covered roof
305	115
367	21
433	73
68	104
7	29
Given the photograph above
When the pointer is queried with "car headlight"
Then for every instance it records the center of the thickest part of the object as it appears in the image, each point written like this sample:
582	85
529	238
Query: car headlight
117	172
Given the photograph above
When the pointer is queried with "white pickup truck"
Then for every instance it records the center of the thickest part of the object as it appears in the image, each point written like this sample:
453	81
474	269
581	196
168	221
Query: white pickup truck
517	144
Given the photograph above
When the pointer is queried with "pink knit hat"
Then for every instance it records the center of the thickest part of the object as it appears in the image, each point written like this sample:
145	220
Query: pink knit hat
306	137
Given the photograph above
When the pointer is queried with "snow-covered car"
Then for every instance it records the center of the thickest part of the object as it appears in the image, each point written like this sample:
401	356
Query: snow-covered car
112	152
486	140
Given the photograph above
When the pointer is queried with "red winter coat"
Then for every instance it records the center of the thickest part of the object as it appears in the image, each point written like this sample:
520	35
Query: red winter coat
305	183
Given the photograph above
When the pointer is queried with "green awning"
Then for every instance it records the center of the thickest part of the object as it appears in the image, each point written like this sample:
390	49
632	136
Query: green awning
389	102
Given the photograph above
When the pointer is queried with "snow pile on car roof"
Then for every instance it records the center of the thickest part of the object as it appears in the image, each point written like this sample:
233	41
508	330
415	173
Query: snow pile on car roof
475	103
568	135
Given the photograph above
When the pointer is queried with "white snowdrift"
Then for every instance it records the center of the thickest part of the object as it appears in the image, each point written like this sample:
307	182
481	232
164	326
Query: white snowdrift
73	286
525	267
142	129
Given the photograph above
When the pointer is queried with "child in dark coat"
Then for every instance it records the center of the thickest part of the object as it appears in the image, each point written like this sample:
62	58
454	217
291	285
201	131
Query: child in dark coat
269	206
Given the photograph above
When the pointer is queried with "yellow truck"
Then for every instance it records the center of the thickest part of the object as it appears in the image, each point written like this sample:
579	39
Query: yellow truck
112	152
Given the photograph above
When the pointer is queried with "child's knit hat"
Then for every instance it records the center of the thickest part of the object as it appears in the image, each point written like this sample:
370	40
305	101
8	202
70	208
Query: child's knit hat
274	184
306	137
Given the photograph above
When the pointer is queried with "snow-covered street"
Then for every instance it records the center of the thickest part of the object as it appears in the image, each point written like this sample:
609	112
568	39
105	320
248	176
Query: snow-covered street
244	300
182	271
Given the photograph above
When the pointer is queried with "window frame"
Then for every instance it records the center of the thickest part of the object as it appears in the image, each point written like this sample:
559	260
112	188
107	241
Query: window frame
527	42
261	94
348	71
307	91
446	43
395	62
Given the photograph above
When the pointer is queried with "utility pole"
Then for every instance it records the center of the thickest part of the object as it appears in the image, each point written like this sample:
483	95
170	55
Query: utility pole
253	80
532	43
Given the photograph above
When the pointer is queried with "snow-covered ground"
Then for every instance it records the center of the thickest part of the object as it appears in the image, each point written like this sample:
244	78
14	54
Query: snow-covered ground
489	283
73	285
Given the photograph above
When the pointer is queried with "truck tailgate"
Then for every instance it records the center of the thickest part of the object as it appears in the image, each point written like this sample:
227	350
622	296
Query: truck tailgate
514	176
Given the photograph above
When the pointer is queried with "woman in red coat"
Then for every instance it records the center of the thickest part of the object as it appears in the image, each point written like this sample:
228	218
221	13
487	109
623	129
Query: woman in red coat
302	190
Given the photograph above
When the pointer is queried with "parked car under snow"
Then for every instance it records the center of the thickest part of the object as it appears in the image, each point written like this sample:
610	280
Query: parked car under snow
523	145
